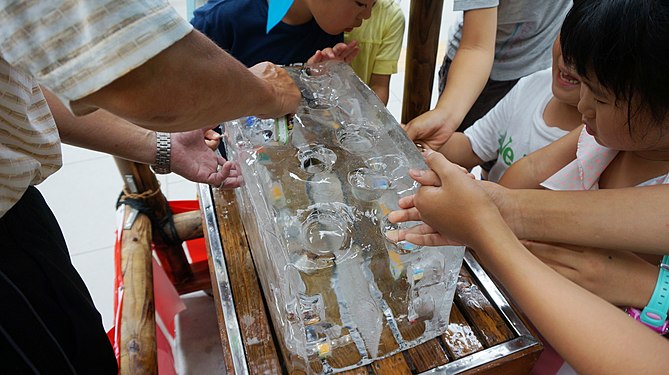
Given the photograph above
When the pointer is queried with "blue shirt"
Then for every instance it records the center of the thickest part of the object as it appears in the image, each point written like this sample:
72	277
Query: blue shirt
238	26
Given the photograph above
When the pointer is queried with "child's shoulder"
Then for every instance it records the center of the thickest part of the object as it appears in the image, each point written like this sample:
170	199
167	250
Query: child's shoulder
387	9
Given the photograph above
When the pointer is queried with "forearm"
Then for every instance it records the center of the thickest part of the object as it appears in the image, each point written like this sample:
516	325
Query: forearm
458	150
635	219
471	66
188	86
466	78
380	84
530	171
101	131
573	320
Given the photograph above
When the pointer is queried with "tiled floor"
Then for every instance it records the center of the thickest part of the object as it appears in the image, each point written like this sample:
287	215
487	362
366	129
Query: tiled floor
84	192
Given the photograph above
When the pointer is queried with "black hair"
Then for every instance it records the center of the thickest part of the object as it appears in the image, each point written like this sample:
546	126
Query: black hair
625	45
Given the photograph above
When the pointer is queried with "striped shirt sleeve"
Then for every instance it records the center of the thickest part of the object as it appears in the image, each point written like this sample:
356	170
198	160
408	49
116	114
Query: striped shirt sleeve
76	47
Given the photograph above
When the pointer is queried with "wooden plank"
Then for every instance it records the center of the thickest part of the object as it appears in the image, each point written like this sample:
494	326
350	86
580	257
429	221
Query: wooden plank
138	318
254	324
460	339
365	370
427	356
479	311
393	365
422	44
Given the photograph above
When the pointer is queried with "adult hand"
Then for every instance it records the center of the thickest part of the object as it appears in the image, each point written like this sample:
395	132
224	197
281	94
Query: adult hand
620	277
286	95
430	128
341	51
192	158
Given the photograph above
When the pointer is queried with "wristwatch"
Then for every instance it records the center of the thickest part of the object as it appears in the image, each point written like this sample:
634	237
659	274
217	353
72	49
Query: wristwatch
654	315
163	153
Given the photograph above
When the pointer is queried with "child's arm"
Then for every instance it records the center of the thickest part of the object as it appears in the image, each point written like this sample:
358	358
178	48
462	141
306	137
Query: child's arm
577	323
467	76
530	171
380	83
458	150
620	277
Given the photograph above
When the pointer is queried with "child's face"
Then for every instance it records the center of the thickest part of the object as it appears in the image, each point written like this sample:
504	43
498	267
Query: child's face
337	16
566	86
607	120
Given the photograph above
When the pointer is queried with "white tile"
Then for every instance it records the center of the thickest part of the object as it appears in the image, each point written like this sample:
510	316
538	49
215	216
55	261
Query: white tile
97	270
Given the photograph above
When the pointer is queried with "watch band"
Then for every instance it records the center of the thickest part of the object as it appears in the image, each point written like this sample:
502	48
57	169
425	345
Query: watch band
163	153
655	313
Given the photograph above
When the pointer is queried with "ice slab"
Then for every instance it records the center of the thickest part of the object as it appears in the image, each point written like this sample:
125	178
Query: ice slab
316	193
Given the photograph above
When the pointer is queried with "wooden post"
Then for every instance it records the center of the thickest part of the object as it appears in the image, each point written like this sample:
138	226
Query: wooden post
138	318
139	179
422	44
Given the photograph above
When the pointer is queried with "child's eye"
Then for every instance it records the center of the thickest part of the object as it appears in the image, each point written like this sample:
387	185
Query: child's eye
600	101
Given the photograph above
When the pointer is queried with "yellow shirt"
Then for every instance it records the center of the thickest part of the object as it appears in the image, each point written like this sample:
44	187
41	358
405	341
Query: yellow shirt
380	40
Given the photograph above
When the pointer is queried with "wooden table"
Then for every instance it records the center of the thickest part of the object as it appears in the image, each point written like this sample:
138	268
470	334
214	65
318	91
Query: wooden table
485	335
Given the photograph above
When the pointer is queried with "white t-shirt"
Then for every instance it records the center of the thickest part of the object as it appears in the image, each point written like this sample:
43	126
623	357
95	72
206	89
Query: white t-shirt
515	126
526	31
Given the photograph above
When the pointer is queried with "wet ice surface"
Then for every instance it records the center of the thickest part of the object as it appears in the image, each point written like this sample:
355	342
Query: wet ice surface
340	290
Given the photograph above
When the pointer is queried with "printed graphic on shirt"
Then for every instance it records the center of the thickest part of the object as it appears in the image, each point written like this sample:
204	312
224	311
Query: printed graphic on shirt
505	150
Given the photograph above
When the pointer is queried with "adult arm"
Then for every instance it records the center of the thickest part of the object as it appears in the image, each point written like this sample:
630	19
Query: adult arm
635	218
461	211
467	76
191	156
192	84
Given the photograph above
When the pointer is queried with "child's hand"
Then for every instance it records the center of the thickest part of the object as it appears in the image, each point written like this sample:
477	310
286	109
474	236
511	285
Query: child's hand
430	128
341	51
421	234
451	203
212	139
459	209
620	277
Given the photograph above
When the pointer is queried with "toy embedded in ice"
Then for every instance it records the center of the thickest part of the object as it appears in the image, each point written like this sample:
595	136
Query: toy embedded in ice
341	287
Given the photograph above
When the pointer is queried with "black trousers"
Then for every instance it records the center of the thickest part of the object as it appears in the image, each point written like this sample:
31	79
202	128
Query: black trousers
48	323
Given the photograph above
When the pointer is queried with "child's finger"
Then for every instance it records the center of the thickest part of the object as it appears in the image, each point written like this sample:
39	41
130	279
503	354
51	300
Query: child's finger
425	177
441	166
433	239
399	216
407	202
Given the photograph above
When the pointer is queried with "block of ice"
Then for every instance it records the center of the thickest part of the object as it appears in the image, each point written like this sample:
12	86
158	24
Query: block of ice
316	193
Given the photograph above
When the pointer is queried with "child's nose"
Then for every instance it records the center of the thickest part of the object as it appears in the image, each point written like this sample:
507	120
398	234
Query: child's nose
585	102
